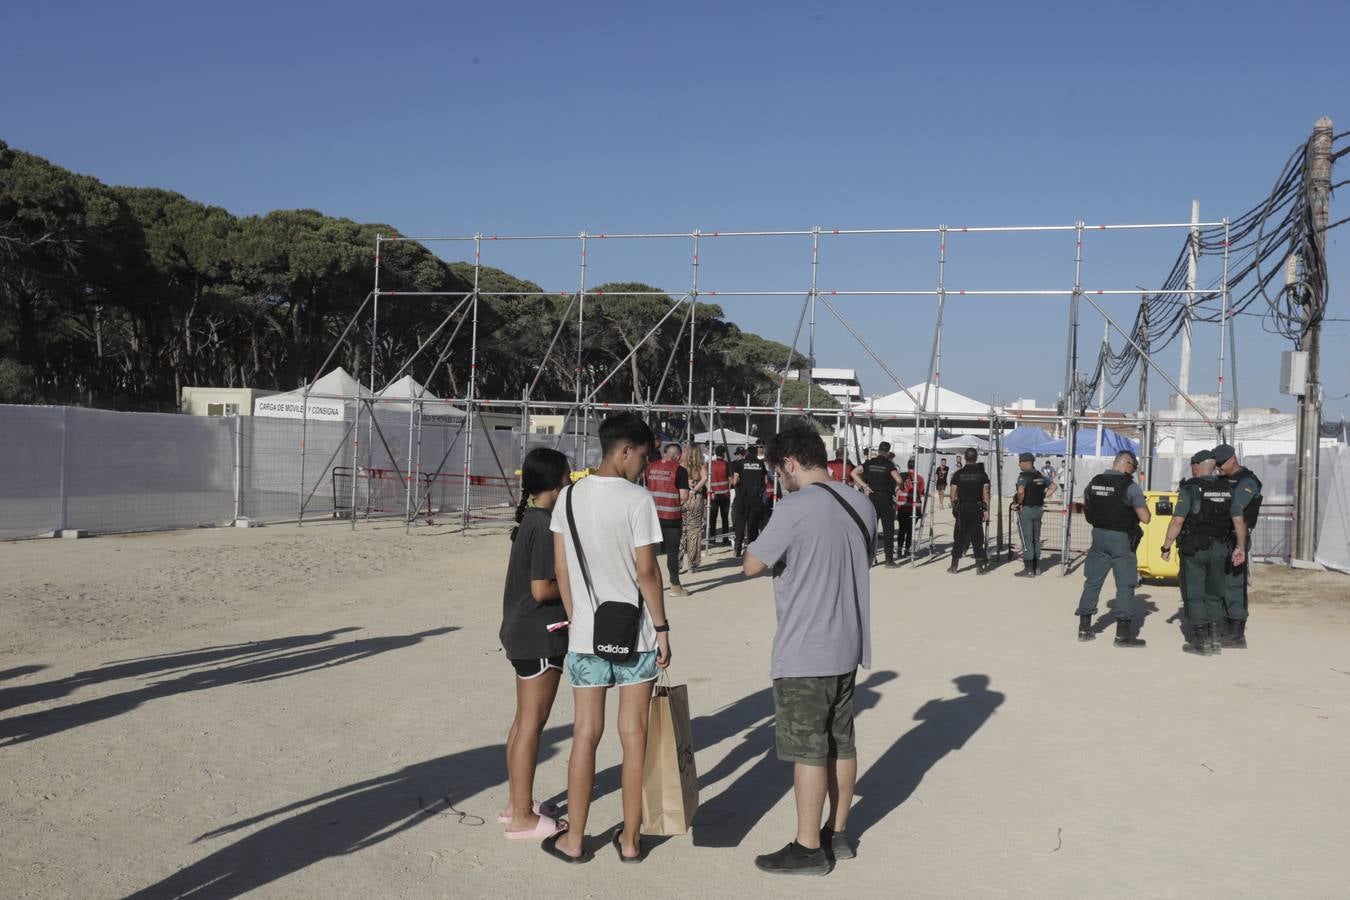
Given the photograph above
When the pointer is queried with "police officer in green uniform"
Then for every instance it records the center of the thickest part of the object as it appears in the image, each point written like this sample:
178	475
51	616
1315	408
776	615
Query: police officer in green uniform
1245	509
1200	529
1033	489
1114	504
970	506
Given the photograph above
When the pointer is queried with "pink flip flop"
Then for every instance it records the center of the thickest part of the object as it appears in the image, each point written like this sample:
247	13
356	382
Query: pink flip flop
547	827
539	809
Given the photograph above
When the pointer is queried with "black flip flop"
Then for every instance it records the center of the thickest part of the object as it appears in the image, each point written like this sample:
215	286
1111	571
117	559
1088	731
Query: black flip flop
618	848
550	846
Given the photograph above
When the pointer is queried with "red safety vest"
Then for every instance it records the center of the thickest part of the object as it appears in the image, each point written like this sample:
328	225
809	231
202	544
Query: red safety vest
911	491
837	470
661	482
718	485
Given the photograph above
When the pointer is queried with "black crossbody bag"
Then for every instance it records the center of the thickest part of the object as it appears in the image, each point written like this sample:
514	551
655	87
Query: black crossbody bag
615	634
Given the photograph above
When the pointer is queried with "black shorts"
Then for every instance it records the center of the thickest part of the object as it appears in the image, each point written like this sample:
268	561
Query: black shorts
533	668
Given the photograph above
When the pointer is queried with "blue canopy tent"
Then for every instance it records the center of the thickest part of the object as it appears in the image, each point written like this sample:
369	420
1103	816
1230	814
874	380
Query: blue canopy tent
1024	439
1112	444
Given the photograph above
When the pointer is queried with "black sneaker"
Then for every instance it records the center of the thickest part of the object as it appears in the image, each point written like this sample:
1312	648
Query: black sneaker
836	844
794	859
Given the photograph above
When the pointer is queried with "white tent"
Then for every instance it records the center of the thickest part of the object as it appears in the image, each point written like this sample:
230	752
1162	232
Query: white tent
724	436
940	400
332	398
1273	434
433	410
962	441
1333	535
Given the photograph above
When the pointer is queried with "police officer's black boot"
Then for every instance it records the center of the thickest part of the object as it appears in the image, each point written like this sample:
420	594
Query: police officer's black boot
983	567
1125	634
1236	638
952	568
1201	643
1028	571
1085	632
1216	636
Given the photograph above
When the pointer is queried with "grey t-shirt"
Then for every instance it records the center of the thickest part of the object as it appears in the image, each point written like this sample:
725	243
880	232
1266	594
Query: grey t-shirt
821	582
1134	495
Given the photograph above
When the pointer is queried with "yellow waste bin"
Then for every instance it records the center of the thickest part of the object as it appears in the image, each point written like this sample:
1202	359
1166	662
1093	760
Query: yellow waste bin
1151	563
577	476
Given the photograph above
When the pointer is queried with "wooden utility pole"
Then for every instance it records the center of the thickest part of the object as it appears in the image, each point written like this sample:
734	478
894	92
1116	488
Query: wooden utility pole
1314	305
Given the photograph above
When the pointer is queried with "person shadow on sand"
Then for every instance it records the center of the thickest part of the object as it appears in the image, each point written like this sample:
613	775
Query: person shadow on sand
944	727
726	819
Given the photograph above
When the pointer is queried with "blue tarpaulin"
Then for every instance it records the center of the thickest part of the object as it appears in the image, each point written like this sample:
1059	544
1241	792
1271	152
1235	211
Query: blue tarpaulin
1112	444
1025	439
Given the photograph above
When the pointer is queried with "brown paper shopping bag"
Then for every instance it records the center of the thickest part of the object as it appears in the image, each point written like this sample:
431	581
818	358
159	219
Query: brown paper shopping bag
669	779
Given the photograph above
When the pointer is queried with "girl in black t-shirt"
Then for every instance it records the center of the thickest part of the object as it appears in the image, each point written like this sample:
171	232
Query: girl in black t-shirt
534	636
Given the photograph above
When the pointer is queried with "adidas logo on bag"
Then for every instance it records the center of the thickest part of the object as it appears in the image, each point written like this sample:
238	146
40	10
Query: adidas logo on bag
610	648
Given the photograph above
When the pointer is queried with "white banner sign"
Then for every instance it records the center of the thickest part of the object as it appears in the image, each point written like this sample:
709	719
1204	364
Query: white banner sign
294	408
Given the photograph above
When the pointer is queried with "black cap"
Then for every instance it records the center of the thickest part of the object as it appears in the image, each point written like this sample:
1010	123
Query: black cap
1223	453
910	465
1026	457
1198	458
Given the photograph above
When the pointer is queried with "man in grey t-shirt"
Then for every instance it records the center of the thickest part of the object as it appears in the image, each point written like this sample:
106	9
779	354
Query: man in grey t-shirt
819	546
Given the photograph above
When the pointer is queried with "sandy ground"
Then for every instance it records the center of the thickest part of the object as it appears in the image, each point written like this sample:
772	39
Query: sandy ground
320	713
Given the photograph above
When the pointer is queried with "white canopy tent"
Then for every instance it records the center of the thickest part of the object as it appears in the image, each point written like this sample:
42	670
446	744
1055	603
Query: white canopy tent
1275	434
941	400
963	441
724	436
433	410
331	398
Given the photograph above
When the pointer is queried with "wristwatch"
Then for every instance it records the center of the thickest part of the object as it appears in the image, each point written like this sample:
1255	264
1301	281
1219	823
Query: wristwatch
662	628
1166	548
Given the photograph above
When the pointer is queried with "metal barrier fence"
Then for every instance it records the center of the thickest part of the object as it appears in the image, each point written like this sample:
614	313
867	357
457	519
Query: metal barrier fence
97	471
384	493
1271	539
100	471
1052	532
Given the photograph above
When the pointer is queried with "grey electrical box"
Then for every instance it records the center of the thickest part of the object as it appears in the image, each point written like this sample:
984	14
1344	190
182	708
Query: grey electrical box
1294	372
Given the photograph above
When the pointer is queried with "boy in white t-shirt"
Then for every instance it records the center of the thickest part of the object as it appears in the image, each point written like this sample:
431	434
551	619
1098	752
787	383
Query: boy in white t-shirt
619	530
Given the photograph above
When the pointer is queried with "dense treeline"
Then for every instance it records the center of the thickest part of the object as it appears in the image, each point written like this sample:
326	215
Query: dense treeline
120	297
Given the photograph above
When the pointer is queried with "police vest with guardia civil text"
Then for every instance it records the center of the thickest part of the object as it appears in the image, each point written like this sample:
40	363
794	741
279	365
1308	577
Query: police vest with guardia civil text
1104	503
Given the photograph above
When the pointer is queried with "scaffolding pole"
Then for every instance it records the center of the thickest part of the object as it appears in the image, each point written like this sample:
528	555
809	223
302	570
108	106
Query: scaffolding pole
585	395
473	383
1070	398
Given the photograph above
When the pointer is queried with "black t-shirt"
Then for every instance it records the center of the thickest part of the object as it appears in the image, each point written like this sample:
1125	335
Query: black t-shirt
970	482
941	474
681	479
876	474
524	633
753	472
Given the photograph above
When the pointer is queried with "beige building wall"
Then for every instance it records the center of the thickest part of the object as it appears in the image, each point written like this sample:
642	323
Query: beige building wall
217	401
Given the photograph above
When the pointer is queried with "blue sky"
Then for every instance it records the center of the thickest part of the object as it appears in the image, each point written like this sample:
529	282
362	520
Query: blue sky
531	117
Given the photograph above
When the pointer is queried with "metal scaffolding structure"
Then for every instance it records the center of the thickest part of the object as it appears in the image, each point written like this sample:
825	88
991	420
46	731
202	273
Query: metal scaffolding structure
925	419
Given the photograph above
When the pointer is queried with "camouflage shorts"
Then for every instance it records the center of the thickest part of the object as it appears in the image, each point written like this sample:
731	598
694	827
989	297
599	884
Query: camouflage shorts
813	718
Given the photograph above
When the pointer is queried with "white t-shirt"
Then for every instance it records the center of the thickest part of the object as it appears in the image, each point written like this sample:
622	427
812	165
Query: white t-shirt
614	517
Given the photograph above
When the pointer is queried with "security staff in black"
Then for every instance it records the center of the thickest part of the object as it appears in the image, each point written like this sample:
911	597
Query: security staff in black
1244	511
879	479
747	515
970	506
1114	504
1032	490
1200	531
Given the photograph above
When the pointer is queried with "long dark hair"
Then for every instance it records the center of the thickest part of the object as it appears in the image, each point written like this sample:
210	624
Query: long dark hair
543	469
